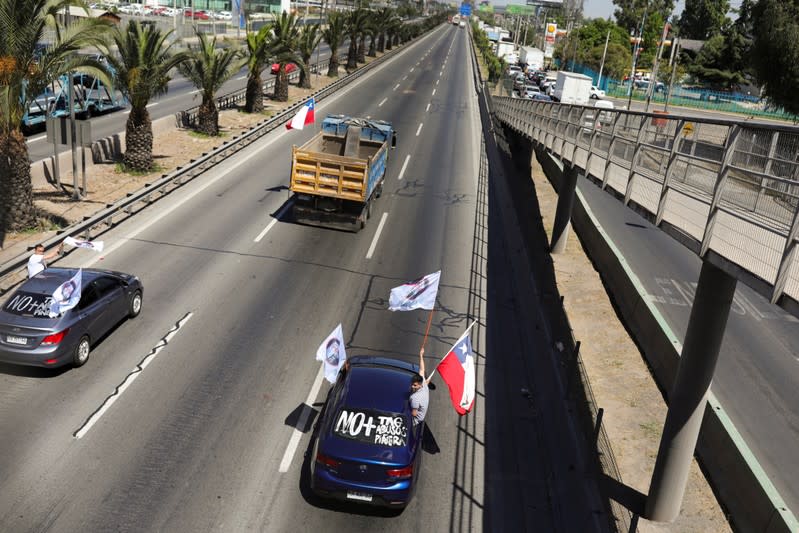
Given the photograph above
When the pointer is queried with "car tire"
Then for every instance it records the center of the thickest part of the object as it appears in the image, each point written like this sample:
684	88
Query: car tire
134	306
81	353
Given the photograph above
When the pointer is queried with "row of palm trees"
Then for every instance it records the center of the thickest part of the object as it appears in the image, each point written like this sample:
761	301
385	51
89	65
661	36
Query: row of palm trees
138	62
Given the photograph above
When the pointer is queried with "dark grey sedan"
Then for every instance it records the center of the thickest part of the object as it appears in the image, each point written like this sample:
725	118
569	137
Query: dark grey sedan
28	334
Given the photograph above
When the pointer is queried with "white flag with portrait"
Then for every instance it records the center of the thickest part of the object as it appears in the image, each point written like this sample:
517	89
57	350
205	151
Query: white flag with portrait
66	296
97	246
419	294
332	352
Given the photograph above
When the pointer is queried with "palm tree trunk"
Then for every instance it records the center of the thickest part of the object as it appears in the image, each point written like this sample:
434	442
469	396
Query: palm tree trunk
305	74
282	85
389	40
138	141
17	211
254	97
361	55
372	47
332	66
381	43
352	53
209	118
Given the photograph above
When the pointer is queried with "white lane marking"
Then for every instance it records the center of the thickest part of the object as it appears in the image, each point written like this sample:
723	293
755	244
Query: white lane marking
130	378
274	221
152	104
241	77
37	138
296	435
404	166
395	87
383	101
195	92
404	78
434	92
377	236
440	73
420	128
412	68
426	109
437	81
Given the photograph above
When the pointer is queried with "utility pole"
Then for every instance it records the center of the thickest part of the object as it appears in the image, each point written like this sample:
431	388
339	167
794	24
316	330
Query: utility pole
654	78
675	58
636	51
602	64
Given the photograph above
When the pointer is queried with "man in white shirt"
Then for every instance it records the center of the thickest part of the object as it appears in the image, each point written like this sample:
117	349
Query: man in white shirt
38	261
420	394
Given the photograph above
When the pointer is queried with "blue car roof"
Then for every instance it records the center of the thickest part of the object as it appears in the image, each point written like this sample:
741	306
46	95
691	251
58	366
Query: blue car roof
378	387
46	281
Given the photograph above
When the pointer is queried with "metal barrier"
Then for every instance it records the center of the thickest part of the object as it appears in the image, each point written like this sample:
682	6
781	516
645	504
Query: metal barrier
727	190
13	272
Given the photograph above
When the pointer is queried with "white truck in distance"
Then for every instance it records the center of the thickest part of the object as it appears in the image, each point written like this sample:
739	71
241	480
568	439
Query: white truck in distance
532	57
572	88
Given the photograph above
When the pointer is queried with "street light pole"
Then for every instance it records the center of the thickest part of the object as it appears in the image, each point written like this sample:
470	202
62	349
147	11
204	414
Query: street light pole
635	57
602	64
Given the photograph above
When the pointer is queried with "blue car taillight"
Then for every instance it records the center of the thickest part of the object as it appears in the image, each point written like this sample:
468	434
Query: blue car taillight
400	473
329	462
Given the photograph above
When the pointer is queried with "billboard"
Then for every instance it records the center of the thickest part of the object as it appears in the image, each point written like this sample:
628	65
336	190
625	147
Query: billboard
545	3
549	38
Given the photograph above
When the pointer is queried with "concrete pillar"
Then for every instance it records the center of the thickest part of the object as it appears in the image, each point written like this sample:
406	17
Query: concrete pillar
563	213
688	396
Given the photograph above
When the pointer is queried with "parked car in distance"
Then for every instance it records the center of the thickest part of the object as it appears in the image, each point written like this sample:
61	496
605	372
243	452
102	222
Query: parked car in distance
290	67
596	92
197	14
367	449
541	97
30	336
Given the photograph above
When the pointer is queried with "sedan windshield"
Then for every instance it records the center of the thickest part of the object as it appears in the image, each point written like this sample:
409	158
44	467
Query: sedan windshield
29	304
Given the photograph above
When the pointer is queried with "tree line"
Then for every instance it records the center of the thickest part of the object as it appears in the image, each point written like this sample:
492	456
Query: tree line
140	60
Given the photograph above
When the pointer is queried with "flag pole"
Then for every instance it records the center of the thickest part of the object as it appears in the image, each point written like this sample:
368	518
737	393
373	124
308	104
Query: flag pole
426	331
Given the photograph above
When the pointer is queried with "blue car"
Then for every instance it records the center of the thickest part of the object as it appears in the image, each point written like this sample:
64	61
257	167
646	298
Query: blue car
367	449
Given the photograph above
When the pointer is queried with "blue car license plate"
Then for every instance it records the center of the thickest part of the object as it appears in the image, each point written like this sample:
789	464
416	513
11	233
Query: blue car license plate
361	496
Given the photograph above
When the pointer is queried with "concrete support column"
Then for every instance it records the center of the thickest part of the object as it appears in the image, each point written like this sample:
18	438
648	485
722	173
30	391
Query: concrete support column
689	392
563	213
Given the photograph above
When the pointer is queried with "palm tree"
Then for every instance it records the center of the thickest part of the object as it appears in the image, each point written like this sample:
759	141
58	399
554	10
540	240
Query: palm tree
334	37
371	32
284	45
258	54
142	63
356	20
392	29
208	69
310	36
382	21
25	70
365	29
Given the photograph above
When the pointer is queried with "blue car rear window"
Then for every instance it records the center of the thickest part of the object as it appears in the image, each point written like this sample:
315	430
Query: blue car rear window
29	304
371	426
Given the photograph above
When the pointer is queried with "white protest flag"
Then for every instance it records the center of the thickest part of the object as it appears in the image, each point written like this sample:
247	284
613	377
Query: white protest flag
97	246
332	352
67	295
419	294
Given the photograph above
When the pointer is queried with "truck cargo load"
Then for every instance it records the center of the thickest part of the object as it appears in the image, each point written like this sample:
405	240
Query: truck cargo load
339	172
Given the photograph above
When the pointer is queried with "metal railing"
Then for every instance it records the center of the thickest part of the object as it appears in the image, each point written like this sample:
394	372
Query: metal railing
727	190
13	272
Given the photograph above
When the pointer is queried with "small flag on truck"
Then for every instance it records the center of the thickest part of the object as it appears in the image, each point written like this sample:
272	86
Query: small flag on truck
303	117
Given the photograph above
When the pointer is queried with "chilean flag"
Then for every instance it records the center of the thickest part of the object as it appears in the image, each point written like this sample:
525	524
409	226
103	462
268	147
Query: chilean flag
457	371
303	117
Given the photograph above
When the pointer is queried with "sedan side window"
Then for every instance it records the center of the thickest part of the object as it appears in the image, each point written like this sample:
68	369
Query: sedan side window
88	297
105	286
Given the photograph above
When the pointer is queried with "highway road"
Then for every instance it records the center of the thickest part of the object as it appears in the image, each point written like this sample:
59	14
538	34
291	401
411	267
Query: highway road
757	377
182	95
188	418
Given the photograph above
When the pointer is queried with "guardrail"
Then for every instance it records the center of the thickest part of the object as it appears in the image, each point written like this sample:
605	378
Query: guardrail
189	117
13	272
727	190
